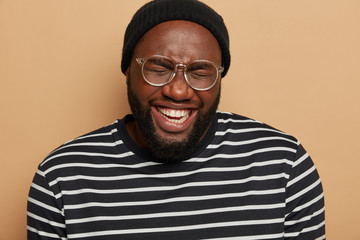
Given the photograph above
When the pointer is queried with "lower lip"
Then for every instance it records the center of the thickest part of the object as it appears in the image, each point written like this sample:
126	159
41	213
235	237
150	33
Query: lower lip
169	126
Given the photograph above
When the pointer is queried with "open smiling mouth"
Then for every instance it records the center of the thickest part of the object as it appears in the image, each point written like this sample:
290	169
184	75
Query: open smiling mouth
177	116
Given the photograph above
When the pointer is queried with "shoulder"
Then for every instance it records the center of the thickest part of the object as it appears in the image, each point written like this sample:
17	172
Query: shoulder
232	124
83	149
97	137
237	134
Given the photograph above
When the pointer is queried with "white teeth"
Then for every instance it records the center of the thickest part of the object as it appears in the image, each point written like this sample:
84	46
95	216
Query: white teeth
173	113
169	114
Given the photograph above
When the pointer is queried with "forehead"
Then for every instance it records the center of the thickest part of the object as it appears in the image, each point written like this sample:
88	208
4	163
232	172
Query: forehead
180	40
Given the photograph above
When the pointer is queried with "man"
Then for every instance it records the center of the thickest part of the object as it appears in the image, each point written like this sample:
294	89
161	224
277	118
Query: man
176	168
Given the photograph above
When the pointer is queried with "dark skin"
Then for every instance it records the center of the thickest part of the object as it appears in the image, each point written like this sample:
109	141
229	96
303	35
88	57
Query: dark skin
184	42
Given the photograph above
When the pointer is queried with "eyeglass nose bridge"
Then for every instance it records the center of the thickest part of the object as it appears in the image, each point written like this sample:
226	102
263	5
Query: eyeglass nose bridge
184	70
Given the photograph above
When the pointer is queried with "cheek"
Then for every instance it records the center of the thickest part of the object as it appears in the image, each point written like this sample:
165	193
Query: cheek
143	91
134	76
209	97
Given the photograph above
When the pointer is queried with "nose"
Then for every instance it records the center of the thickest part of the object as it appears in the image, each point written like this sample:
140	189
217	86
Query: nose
178	89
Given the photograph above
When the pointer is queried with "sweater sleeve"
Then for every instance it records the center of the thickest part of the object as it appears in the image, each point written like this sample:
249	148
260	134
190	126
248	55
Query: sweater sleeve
305	214
45	215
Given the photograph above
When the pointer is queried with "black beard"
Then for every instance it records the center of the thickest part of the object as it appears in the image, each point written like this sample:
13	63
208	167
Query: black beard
164	150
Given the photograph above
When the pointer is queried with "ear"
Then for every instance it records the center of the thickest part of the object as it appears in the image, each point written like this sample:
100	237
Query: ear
127	75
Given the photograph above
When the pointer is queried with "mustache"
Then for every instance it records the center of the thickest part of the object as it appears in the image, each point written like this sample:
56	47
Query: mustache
168	99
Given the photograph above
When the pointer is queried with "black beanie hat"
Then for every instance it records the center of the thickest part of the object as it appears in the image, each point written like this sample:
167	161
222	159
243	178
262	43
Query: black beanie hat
158	11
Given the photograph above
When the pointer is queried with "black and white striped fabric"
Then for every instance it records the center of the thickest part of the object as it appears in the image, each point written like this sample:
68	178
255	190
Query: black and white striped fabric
246	181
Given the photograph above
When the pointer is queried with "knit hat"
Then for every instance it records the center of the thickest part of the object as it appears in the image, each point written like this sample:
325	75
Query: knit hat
158	11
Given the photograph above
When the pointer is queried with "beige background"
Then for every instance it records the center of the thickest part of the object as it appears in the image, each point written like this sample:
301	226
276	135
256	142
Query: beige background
295	66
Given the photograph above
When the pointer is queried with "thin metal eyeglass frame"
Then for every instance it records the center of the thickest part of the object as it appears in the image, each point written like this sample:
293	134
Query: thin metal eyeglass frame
141	62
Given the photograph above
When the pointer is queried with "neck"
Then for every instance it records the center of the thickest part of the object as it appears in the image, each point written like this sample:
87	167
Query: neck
135	133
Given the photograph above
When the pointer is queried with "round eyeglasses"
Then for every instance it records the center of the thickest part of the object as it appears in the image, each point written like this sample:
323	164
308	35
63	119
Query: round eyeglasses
158	71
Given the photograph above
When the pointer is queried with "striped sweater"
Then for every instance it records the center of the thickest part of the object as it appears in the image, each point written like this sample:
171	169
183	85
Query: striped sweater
246	180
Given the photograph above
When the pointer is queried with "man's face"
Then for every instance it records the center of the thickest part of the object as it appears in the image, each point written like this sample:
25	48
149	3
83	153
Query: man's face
171	119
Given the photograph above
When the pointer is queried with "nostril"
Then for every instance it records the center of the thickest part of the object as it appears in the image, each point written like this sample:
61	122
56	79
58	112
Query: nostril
178	89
